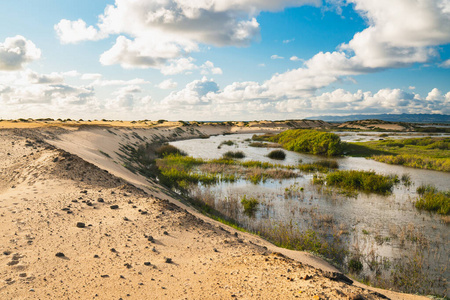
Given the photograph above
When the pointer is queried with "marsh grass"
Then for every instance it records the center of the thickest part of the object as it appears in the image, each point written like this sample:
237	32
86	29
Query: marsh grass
263	137
366	181
424	153
250	205
264	145
322	166
234	154
226	143
166	150
433	200
277	154
310	141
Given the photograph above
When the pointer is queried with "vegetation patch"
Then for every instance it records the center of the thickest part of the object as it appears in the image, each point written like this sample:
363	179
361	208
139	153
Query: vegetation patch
310	141
323	166
264	145
263	137
433	200
425	153
250	205
226	143
366	181
234	154
277	154
167	149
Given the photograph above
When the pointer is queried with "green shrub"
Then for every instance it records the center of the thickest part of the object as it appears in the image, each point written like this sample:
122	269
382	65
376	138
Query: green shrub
277	154
165	150
310	141
236	154
367	181
355	265
263	137
433	200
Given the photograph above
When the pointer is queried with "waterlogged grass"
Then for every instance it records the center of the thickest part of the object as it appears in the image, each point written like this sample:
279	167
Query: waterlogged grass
234	154
416	161
424	153
226	143
277	154
366	181
310	141
264	145
250	205
323	166
433	200
180	170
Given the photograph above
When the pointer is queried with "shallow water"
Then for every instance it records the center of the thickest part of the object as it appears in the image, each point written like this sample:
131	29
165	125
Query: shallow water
378	226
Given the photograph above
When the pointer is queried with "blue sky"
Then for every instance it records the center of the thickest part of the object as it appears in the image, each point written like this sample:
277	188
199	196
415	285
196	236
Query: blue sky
223	60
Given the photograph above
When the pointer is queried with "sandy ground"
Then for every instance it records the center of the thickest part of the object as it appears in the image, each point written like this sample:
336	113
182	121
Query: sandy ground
78	225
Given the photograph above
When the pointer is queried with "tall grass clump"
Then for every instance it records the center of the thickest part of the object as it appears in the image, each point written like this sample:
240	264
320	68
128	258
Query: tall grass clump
366	181
165	150
277	154
226	143
322	166
234	154
433	200
310	141
250	205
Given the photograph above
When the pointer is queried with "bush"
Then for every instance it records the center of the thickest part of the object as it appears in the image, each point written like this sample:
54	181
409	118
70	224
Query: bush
236	154
310	141
355	265
277	154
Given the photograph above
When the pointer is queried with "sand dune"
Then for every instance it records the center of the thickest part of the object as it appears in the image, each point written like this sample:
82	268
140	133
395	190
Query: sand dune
76	224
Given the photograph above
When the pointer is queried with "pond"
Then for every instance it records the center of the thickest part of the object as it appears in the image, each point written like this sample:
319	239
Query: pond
397	245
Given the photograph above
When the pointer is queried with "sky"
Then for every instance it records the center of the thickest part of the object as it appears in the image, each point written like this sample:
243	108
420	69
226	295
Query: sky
221	60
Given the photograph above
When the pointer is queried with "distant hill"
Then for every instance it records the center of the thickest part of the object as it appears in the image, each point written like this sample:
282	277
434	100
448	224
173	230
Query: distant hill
410	118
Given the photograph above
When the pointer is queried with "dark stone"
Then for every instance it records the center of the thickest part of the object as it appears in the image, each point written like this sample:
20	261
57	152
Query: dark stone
168	260
165	233
81	225
128	265
100	200
114	206
147	263
60	254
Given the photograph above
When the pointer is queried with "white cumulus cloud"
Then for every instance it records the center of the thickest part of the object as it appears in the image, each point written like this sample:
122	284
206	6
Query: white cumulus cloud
17	51
72	32
168	84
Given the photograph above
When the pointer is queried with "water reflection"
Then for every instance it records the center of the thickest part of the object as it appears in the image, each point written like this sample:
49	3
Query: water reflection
382	229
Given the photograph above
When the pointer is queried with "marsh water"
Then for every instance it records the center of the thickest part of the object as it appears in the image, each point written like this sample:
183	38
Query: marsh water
387	233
